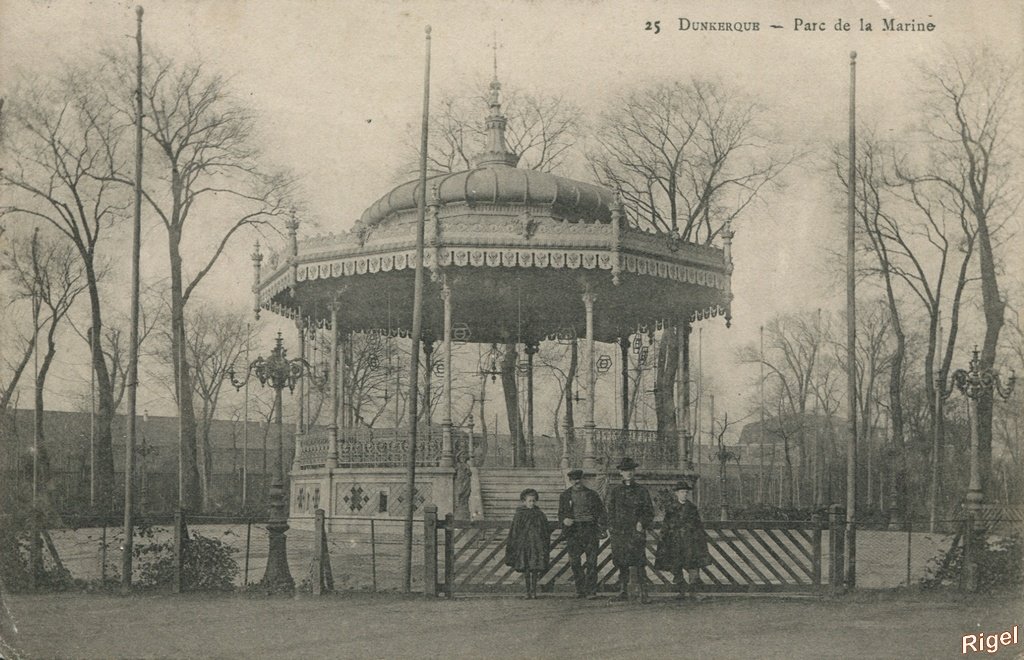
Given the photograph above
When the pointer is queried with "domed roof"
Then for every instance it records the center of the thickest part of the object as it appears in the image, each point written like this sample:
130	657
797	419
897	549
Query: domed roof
497	180
501	184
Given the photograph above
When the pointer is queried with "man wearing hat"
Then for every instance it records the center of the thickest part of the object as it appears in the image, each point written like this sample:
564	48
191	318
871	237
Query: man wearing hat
583	523
684	544
630	515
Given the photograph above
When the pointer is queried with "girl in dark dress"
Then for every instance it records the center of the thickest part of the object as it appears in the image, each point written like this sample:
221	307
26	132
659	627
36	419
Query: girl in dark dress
529	541
683	544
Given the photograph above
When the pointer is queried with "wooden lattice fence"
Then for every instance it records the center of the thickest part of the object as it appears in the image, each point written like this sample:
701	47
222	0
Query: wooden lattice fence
747	556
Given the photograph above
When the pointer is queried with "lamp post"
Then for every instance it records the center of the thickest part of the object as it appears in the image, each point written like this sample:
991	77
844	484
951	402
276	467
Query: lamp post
975	383
277	372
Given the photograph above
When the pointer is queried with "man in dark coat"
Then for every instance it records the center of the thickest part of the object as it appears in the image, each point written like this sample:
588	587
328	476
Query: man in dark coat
683	544
630	515
583	525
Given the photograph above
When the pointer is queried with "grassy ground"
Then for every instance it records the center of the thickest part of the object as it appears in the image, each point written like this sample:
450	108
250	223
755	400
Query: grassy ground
359	625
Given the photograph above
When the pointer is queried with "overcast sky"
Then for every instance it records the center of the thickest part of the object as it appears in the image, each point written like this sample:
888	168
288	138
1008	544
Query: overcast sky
338	86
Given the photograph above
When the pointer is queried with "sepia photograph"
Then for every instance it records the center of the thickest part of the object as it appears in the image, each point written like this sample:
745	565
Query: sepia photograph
345	329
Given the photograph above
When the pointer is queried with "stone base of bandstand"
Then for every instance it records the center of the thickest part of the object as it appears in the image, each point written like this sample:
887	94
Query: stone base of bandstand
353	497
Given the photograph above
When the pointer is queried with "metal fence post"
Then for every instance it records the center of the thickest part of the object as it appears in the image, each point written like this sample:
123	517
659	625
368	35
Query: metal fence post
449	555
35	550
178	521
103	554
837	547
248	537
969	571
816	552
373	554
317	569
910	529
430	550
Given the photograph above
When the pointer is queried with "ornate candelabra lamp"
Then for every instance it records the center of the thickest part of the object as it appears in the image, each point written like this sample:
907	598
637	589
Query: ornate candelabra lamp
277	371
976	383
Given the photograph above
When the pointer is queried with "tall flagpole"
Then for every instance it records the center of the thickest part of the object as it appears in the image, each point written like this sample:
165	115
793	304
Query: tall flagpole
698	433
92	430
245	427
37	412
760	478
417	324
133	346
851	340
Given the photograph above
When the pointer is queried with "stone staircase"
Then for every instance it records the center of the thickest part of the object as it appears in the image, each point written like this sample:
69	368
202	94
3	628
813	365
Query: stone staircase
500	488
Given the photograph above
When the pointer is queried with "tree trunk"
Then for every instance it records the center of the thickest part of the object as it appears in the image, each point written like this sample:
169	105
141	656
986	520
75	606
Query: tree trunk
206	457
624	375
788	481
899	471
570	420
664	387
190	497
105	396
802	465
39	385
994	317
510	388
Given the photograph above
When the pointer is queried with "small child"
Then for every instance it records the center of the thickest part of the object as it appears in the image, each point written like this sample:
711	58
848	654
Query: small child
529	541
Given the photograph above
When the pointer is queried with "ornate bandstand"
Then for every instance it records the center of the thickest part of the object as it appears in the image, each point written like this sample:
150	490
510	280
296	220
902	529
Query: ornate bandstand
513	255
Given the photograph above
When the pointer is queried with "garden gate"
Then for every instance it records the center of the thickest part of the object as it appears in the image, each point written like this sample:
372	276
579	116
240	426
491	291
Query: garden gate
747	556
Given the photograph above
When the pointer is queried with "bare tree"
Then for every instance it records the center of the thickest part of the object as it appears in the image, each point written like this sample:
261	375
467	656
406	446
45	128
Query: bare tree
542	130
972	124
216	340
920	241
794	344
46	272
688	157
724	455
60	139
17	347
202	176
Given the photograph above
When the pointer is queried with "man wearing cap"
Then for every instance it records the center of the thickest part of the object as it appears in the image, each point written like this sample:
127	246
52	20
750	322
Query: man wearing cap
630	515
583	522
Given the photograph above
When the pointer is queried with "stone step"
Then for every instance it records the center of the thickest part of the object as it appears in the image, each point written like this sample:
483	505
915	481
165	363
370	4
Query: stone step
500	488
500	491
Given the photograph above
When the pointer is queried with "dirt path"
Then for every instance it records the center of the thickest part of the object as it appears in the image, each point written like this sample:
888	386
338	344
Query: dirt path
367	626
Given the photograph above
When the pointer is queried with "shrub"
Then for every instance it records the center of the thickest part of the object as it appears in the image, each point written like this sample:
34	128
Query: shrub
15	552
208	564
999	565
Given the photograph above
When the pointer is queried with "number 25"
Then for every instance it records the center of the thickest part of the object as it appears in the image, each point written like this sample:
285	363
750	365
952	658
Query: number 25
653	26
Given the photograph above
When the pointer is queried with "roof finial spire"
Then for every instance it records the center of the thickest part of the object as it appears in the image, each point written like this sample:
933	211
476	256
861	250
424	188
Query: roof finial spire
497	151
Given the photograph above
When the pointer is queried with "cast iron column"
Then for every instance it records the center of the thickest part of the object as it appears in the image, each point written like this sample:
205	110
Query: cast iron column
277	576
531	350
589	460
332	429
447	454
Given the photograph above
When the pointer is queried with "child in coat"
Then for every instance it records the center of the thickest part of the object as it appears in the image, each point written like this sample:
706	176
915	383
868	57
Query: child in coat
529	541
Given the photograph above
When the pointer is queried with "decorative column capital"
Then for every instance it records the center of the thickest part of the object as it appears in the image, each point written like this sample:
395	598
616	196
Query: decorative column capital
257	261
727	236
